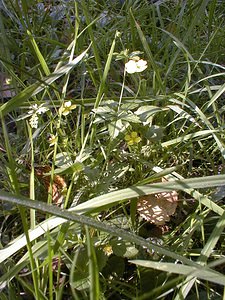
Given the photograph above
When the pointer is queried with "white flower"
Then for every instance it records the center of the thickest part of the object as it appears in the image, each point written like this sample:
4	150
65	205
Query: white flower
136	66
8	81
141	65
42	110
67	104
66	108
34	121
35	109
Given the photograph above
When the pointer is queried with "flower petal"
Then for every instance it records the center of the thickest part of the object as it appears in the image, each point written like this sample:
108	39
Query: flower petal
131	67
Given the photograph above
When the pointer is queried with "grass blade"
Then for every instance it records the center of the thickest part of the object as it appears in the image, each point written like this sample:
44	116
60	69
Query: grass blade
149	54
201	272
36	88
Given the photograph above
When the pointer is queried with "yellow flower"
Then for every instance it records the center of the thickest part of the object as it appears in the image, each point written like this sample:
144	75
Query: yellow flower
132	138
136	65
52	139
8	81
66	108
108	250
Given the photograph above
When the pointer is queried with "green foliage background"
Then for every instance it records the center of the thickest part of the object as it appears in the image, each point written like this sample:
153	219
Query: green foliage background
96	245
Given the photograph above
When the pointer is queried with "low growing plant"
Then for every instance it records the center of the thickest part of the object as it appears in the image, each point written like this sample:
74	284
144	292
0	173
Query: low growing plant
112	150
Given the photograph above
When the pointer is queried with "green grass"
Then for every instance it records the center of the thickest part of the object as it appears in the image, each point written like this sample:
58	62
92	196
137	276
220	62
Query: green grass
102	138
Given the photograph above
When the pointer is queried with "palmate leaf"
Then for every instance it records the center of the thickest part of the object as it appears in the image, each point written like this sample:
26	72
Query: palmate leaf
146	112
154	133
115	128
106	113
76	167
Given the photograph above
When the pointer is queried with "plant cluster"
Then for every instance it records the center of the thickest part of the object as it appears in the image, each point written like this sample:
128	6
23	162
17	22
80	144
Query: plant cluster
112	149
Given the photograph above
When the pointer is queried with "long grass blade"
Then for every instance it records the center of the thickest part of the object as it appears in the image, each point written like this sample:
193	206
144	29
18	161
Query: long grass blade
200	272
36	88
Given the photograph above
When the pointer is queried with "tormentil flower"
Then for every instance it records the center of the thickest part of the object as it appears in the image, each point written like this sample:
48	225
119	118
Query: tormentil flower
52	139
66	108
132	138
108	250
135	65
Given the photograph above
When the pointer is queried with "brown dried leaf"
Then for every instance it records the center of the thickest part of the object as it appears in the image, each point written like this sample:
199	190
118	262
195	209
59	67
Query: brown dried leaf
58	186
157	208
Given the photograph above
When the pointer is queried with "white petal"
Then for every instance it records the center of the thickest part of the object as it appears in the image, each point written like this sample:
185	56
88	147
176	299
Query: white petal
131	67
67	104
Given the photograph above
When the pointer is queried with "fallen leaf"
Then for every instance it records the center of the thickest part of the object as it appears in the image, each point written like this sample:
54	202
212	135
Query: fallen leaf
157	208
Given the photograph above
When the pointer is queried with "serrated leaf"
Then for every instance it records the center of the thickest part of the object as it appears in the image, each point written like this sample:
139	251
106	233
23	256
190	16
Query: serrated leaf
118	247
115	128
154	133
129	106
103	113
102	110
74	168
146	113
63	160
130	117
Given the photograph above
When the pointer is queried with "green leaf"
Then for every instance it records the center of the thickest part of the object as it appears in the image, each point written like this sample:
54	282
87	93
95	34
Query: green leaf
201	133
74	168
200	272
93	268
65	215
154	133
37	87
149	53
115	128
108	200
63	159
146	113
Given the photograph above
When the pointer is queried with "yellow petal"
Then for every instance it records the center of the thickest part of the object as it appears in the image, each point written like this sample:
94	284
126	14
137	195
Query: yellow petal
130	142
127	137
137	140
134	134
